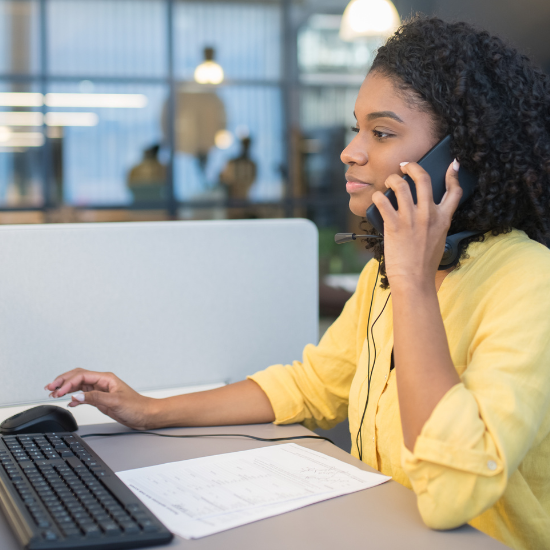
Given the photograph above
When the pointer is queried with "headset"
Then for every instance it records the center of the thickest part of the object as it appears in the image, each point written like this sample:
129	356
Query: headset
450	255
436	162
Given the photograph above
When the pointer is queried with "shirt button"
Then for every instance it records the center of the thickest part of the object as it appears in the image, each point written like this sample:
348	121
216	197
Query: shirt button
492	465
373	439
386	377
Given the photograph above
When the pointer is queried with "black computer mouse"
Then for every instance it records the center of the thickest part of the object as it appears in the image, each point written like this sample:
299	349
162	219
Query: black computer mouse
41	419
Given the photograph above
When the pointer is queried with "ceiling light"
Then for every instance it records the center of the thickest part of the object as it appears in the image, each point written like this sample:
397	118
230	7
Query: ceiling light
223	139
23	139
114	101
20	99
5	134
16	118
209	72
369	18
123	101
71	119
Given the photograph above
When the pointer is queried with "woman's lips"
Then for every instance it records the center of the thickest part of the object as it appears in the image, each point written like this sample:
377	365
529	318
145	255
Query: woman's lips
354	186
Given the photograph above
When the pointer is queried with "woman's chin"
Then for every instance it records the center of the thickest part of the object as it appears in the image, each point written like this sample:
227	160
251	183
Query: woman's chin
359	208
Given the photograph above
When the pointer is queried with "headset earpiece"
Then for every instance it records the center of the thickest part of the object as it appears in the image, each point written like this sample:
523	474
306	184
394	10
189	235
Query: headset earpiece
452	247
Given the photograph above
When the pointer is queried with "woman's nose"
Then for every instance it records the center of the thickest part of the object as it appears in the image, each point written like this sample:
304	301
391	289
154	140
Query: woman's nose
354	153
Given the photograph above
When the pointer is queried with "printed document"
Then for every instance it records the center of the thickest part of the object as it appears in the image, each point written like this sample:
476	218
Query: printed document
202	496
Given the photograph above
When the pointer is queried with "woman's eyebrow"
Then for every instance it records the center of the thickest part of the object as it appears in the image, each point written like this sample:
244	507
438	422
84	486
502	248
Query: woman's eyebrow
384	114
381	114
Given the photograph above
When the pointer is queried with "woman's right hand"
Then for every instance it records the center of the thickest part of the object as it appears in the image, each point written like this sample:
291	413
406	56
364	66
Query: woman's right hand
108	393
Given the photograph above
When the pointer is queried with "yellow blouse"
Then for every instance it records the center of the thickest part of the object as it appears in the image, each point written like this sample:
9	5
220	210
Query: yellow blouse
483	456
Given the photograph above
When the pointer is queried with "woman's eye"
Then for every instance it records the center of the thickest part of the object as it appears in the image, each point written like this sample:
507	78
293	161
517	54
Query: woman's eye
380	136
354	129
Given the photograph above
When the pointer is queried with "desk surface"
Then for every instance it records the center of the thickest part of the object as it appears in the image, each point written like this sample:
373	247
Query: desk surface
384	517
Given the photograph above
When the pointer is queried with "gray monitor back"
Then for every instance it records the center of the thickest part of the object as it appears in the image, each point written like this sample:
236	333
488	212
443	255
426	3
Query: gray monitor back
161	304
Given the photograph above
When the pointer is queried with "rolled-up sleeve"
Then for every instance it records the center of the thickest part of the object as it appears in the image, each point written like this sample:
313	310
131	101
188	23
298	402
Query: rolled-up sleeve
482	428
455	458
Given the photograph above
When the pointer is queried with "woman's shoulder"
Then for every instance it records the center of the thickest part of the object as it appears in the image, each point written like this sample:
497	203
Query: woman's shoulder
509	257
368	276
514	248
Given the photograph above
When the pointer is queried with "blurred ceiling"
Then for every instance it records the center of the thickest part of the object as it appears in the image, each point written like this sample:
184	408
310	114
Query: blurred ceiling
523	23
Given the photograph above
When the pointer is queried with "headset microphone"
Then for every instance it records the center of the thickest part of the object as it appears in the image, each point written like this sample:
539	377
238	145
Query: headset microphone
450	255
341	238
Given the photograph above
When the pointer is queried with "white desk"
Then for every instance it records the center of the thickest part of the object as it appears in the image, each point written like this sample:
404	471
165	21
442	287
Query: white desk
381	518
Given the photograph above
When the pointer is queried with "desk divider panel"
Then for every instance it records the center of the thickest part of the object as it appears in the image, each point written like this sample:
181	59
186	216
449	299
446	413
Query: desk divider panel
160	304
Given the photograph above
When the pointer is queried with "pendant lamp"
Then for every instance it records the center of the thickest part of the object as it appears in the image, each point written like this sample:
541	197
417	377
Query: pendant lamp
369	18
209	72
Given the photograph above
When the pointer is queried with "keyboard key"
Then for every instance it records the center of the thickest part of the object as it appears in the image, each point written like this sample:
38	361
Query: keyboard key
111	528
65	520
43	523
71	533
74	463
130	528
49	535
91	531
148	525
142	519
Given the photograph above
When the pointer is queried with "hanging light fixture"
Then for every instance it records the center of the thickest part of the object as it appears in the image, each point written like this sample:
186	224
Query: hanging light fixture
209	72
368	18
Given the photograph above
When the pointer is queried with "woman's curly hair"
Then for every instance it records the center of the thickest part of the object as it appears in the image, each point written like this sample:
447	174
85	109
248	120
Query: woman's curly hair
495	105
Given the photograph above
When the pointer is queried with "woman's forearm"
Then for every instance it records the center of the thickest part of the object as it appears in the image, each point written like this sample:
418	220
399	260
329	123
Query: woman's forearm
423	364
239	403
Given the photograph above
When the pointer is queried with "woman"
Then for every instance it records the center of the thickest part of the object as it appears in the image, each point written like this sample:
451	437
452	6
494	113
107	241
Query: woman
463	419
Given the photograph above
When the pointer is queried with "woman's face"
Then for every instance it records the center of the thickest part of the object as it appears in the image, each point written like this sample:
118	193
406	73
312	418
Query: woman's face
389	131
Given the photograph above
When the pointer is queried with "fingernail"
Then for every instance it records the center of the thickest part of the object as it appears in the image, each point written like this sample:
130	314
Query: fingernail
46	387
456	165
403	163
79	396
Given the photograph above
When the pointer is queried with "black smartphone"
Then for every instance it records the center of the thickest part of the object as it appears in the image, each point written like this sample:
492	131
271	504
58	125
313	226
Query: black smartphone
436	162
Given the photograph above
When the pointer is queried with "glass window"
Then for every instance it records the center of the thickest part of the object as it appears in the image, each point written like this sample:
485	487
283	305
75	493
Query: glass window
21	145
100	134
107	37
250	113
324	58
19	37
101	143
246	38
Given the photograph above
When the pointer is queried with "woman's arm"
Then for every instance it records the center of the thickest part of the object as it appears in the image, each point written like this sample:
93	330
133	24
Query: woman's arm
240	403
424	368
414	240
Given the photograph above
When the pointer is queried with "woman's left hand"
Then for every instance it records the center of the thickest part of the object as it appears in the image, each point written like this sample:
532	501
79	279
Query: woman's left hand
414	235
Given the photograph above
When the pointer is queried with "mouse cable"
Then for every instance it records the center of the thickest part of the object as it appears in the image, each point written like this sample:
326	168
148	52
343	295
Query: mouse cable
211	435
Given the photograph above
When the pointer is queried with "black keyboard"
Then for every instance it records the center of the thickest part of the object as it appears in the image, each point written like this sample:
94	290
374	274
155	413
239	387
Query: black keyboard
57	493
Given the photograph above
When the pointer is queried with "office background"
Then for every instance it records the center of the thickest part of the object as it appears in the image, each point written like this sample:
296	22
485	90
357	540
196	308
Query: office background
264	143
102	117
